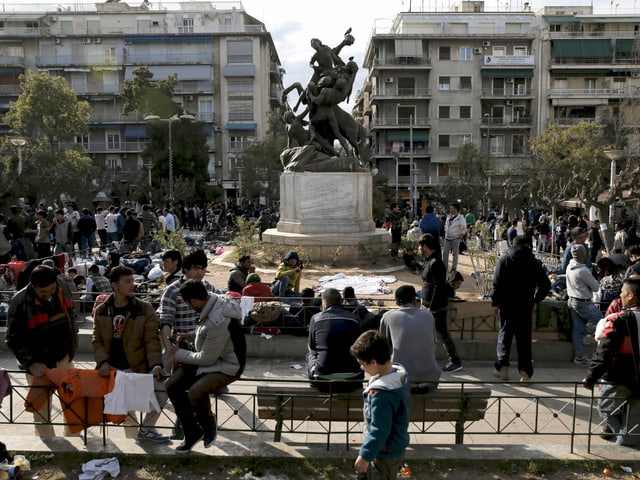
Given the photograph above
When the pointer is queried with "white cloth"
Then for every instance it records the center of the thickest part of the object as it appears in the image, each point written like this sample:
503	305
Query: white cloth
99	468
132	392
246	304
371	285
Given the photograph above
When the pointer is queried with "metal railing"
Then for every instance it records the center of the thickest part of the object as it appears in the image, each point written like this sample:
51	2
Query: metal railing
525	413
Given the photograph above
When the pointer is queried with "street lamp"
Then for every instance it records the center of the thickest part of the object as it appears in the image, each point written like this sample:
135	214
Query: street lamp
613	156
489	172
18	142
170	121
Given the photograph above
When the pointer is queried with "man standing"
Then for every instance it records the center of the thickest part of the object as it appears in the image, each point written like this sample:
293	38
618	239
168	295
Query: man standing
410	331
455	228
435	297
616	361
430	223
86	230
595	241
170	221
519	282
41	332
63	233
395	226
585	315
218	358
579	236
238	274
331	334
125	337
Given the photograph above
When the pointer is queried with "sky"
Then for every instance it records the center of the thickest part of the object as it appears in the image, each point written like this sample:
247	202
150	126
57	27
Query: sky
293	23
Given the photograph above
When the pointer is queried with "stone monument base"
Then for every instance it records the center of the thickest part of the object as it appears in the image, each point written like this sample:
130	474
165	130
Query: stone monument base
347	249
329	215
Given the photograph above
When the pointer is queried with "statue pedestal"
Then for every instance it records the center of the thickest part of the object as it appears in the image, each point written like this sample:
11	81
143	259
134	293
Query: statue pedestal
328	214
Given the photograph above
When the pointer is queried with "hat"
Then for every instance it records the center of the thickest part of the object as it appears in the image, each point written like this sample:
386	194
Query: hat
253	277
415	223
579	253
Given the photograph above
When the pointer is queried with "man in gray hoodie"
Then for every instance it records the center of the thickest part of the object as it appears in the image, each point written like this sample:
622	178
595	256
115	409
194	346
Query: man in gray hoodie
581	284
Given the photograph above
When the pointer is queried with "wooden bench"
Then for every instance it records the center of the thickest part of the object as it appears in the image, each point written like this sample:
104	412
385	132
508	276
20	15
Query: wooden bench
296	403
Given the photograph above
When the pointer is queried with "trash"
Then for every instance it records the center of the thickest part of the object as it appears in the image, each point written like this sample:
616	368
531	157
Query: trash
607	472
297	366
405	471
22	462
264	335
626	469
100	468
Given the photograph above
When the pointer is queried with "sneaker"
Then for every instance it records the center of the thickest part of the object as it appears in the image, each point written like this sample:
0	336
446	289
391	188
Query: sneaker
502	374
209	438
524	376
452	367
588	340
187	445
607	434
582	360
152	436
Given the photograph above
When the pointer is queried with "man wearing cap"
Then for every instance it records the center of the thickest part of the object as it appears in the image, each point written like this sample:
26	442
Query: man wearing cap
585	315
238	274
579	236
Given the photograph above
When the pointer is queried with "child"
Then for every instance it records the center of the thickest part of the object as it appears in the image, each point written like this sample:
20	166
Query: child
386	409
409	258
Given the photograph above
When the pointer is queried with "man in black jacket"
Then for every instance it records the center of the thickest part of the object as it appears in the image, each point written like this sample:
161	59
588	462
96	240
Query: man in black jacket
616	362
435	296
519	282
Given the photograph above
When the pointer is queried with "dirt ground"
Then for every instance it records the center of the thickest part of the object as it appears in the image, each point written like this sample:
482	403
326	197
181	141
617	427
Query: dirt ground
68	466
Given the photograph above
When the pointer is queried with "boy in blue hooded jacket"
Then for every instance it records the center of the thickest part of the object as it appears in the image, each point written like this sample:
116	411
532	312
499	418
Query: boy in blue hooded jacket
386	409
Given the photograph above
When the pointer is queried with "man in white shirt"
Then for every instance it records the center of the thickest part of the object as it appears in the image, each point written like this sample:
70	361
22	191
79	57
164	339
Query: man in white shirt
170	220
455	229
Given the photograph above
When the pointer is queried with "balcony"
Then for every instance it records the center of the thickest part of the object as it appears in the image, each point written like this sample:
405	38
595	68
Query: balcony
399	122
390	92
591	92
507	121
115	117
10	90
172	58
510	91
84	59
388	151
400	62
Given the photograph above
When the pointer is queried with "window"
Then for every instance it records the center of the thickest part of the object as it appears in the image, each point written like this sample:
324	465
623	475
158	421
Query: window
113	140
205	110
444	53
465	139
465	83
497	144
465	53
113	163
444	141
15	51
444	83
240	85
443	170
518	147
590	83
82	140
444	111
241	109
110	56
499	51
187	25
238	143
520	51
240	51
407	86
465	111
79	82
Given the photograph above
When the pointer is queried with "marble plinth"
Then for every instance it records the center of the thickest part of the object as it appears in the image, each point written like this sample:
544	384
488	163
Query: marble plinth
329	214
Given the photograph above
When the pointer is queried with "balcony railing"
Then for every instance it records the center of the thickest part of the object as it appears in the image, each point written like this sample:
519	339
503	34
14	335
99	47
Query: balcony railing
603	62
390	91
402	62
509	92
399	122
145	59
591	92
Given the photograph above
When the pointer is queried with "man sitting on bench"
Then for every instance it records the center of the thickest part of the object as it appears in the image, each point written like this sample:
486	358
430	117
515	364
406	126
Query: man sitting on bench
331	334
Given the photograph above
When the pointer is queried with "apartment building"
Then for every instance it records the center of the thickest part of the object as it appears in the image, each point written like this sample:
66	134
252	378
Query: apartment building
438	80
228	69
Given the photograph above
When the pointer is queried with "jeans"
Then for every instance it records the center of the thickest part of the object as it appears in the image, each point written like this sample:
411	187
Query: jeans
452	246
515	324
621	412
585	315
189	394
280	288
442	328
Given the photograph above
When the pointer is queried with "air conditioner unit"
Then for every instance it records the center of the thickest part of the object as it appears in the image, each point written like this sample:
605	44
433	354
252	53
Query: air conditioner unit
57	41
218	163
509	102
388	80
486	43
97	40
188	97
509	80
86	40
477	50
217	129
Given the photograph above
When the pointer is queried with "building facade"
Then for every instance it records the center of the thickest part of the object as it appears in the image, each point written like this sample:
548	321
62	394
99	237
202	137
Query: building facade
228	69
440	80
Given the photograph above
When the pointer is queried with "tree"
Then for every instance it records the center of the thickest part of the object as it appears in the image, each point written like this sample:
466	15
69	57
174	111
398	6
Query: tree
46	114
471	182
148	96
570	163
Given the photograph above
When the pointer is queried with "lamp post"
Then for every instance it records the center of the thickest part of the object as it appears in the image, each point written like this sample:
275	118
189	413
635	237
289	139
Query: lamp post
489	172
613	156
170	121
18	142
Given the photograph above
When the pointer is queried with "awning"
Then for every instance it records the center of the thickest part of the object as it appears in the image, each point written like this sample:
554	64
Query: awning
624	45
184	72
584	48
506	73
408	47
135	131
239	71
404	136
167	39
241	126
